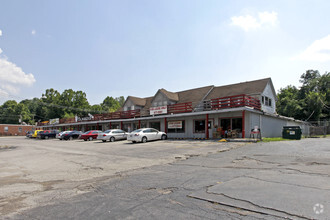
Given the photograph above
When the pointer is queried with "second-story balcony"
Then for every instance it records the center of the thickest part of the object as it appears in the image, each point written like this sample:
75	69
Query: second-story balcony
232	102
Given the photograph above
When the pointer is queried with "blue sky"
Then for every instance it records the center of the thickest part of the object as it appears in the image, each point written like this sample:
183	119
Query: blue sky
114	48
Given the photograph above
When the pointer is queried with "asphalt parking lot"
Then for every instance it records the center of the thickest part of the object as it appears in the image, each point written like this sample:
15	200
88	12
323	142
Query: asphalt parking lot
164	180
34	172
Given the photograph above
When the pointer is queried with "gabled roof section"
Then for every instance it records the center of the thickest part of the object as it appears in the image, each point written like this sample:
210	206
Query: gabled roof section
248	88
170	95
136	100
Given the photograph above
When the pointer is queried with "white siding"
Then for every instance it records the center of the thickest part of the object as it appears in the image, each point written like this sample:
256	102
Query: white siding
160	100
270	94
128	104
270	126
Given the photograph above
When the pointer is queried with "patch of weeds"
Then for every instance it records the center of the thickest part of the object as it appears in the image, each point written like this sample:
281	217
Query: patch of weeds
276	139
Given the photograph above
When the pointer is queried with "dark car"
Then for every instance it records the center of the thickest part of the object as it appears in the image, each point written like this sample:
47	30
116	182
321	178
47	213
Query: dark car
47	134
29	134
71	135
90	135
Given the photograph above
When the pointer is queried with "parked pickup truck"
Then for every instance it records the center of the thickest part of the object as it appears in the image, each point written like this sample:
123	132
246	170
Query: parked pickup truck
47	134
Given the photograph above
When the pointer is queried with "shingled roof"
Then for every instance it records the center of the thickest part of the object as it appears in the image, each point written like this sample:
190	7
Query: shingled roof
247	88
170	95
193	95
137	101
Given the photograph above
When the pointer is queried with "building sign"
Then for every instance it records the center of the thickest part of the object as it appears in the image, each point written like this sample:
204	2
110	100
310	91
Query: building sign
174	124
54	121
89	118
158	110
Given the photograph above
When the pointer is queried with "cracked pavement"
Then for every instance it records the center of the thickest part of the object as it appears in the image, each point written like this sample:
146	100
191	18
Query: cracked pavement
185	179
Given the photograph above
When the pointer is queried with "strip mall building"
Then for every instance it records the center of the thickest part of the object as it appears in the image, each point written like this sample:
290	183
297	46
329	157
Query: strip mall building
207	112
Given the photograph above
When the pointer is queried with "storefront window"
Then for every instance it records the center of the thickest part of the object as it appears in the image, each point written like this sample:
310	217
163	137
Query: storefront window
6	129
237	124
225	124
127	127
155	125
175	126
199	126
114	125
143	124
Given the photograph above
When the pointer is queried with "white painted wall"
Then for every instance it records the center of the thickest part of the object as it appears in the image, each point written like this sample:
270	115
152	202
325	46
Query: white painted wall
269	93
128	104
270	126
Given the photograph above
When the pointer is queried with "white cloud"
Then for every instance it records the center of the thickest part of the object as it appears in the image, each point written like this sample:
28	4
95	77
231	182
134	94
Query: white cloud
249	22
0	32
33	32
12	77
1	50
318	51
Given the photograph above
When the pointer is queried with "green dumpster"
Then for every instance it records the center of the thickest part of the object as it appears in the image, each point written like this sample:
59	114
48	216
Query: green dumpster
291	132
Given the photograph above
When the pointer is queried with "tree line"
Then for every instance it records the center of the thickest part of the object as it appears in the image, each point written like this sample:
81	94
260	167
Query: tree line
54	104
309	102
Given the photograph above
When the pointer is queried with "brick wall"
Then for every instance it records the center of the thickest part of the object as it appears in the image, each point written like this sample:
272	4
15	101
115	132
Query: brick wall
14	130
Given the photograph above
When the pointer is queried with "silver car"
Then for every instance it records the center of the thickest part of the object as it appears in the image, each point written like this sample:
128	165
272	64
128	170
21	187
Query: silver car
146	134
112	135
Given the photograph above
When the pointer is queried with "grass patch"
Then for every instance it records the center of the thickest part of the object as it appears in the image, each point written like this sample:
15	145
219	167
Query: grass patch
275	139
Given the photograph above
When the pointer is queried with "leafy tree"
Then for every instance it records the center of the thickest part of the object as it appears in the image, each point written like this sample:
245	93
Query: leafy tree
8	114
288	103
311	101
96	109
24	114
314	105
121	100
51	99
110	104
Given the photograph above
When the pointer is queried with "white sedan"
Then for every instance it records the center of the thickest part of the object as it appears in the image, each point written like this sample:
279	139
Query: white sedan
112	135
146	134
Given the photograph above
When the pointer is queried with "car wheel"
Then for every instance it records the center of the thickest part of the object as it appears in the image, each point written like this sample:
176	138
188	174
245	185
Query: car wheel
85	139
71	138
46	137
90	138
144	139
164	137
103	140
112	139
133	142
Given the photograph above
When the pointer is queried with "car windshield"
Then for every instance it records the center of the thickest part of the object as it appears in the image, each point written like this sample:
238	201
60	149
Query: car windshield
107	131
87	132
137	131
